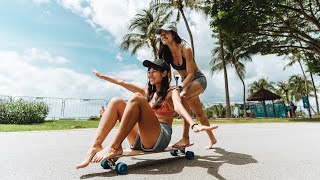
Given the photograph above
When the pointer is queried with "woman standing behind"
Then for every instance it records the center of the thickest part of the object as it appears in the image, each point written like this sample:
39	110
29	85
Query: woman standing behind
178	54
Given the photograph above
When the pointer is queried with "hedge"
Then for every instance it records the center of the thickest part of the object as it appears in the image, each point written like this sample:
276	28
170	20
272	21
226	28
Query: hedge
22	112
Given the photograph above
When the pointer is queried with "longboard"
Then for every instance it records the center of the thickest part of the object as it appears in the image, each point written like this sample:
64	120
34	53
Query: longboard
122	168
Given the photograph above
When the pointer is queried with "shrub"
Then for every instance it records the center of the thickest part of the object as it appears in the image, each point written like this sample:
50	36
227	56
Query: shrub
94	118
218	110
22	112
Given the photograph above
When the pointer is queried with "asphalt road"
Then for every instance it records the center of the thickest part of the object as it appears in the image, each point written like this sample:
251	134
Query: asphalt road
244	151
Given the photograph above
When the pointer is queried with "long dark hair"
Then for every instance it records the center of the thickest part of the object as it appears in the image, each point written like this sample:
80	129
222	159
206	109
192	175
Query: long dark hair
164	51
161	95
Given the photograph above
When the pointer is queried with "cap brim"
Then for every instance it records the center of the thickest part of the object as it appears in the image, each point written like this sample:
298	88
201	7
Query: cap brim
158	31
147	63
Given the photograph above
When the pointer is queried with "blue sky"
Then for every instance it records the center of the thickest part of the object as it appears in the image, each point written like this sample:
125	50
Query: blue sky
48	48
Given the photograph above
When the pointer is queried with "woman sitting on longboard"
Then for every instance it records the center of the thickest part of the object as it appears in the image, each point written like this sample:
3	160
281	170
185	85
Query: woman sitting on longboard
145	119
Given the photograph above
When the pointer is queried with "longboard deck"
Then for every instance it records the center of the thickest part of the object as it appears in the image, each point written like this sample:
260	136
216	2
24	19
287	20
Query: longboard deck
131	152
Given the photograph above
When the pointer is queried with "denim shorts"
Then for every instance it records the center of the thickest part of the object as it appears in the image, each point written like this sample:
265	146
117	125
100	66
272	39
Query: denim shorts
162	142
200	78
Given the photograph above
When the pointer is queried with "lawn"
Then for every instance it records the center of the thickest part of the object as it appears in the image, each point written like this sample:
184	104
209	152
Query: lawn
82	124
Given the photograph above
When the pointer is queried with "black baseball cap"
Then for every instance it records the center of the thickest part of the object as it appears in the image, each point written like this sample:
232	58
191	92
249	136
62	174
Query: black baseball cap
158	63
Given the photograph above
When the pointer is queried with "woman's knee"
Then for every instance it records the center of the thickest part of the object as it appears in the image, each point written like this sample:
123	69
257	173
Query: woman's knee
184	96
187	95
137	97
115	101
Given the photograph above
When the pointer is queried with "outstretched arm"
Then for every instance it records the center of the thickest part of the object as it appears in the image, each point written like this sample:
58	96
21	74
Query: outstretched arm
178	107
131	87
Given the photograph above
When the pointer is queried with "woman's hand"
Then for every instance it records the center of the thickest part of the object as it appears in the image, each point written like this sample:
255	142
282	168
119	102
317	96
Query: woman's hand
197	128
97	73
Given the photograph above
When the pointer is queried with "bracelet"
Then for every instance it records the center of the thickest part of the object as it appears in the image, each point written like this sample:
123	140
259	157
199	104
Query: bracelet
193	125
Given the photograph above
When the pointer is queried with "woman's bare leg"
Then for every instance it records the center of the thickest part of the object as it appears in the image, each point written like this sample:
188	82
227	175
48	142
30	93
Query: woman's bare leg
196	107
191	95
137	111
112	113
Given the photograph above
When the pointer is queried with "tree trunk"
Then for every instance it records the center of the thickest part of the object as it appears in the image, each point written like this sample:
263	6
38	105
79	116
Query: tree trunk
306	86
189	31
315	92
154	49
228	109
244	95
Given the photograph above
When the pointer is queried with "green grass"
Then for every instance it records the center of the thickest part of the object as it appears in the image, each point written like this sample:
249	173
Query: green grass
82	124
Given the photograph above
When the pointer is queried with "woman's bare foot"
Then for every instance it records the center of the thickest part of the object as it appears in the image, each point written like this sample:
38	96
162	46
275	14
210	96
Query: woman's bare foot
182	143
211	143
90	154
107	153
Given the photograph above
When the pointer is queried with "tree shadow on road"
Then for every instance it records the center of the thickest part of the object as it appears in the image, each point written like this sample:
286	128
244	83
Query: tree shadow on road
176	164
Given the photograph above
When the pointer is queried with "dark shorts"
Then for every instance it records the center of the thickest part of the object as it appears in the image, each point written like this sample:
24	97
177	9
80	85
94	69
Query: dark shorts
200	78
162	142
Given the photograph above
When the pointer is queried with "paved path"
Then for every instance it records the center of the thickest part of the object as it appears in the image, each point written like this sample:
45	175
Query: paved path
244	151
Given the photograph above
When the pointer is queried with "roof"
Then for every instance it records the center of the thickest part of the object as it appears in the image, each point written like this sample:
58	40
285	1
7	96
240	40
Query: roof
263	94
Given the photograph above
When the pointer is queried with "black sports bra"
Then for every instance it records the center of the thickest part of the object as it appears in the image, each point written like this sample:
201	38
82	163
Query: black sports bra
183	66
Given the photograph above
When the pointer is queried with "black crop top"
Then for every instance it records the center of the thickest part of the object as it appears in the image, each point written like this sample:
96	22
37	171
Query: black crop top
183	66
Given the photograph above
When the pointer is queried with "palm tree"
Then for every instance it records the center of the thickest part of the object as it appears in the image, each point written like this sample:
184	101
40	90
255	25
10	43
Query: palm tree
263	82
142	28
297	57
298	89
179	5
283	89
232	55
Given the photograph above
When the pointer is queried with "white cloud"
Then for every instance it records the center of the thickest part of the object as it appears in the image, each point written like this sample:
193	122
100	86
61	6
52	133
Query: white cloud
112	16
21	78
74	6
34	54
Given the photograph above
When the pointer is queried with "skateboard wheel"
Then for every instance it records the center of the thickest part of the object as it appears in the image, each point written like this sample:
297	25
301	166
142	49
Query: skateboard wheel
121	168
105	165
189	155
174	153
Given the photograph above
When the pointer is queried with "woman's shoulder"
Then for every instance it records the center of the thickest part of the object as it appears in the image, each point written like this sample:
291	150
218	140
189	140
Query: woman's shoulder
169	92
186	48
185	44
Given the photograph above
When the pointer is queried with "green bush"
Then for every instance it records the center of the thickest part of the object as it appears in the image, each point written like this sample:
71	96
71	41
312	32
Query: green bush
94	118
217	110
22	112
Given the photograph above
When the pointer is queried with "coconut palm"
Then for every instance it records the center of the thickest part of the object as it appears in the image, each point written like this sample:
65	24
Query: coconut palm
263	82
232	54
299	57
283	89
142	28
311	57
298	89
